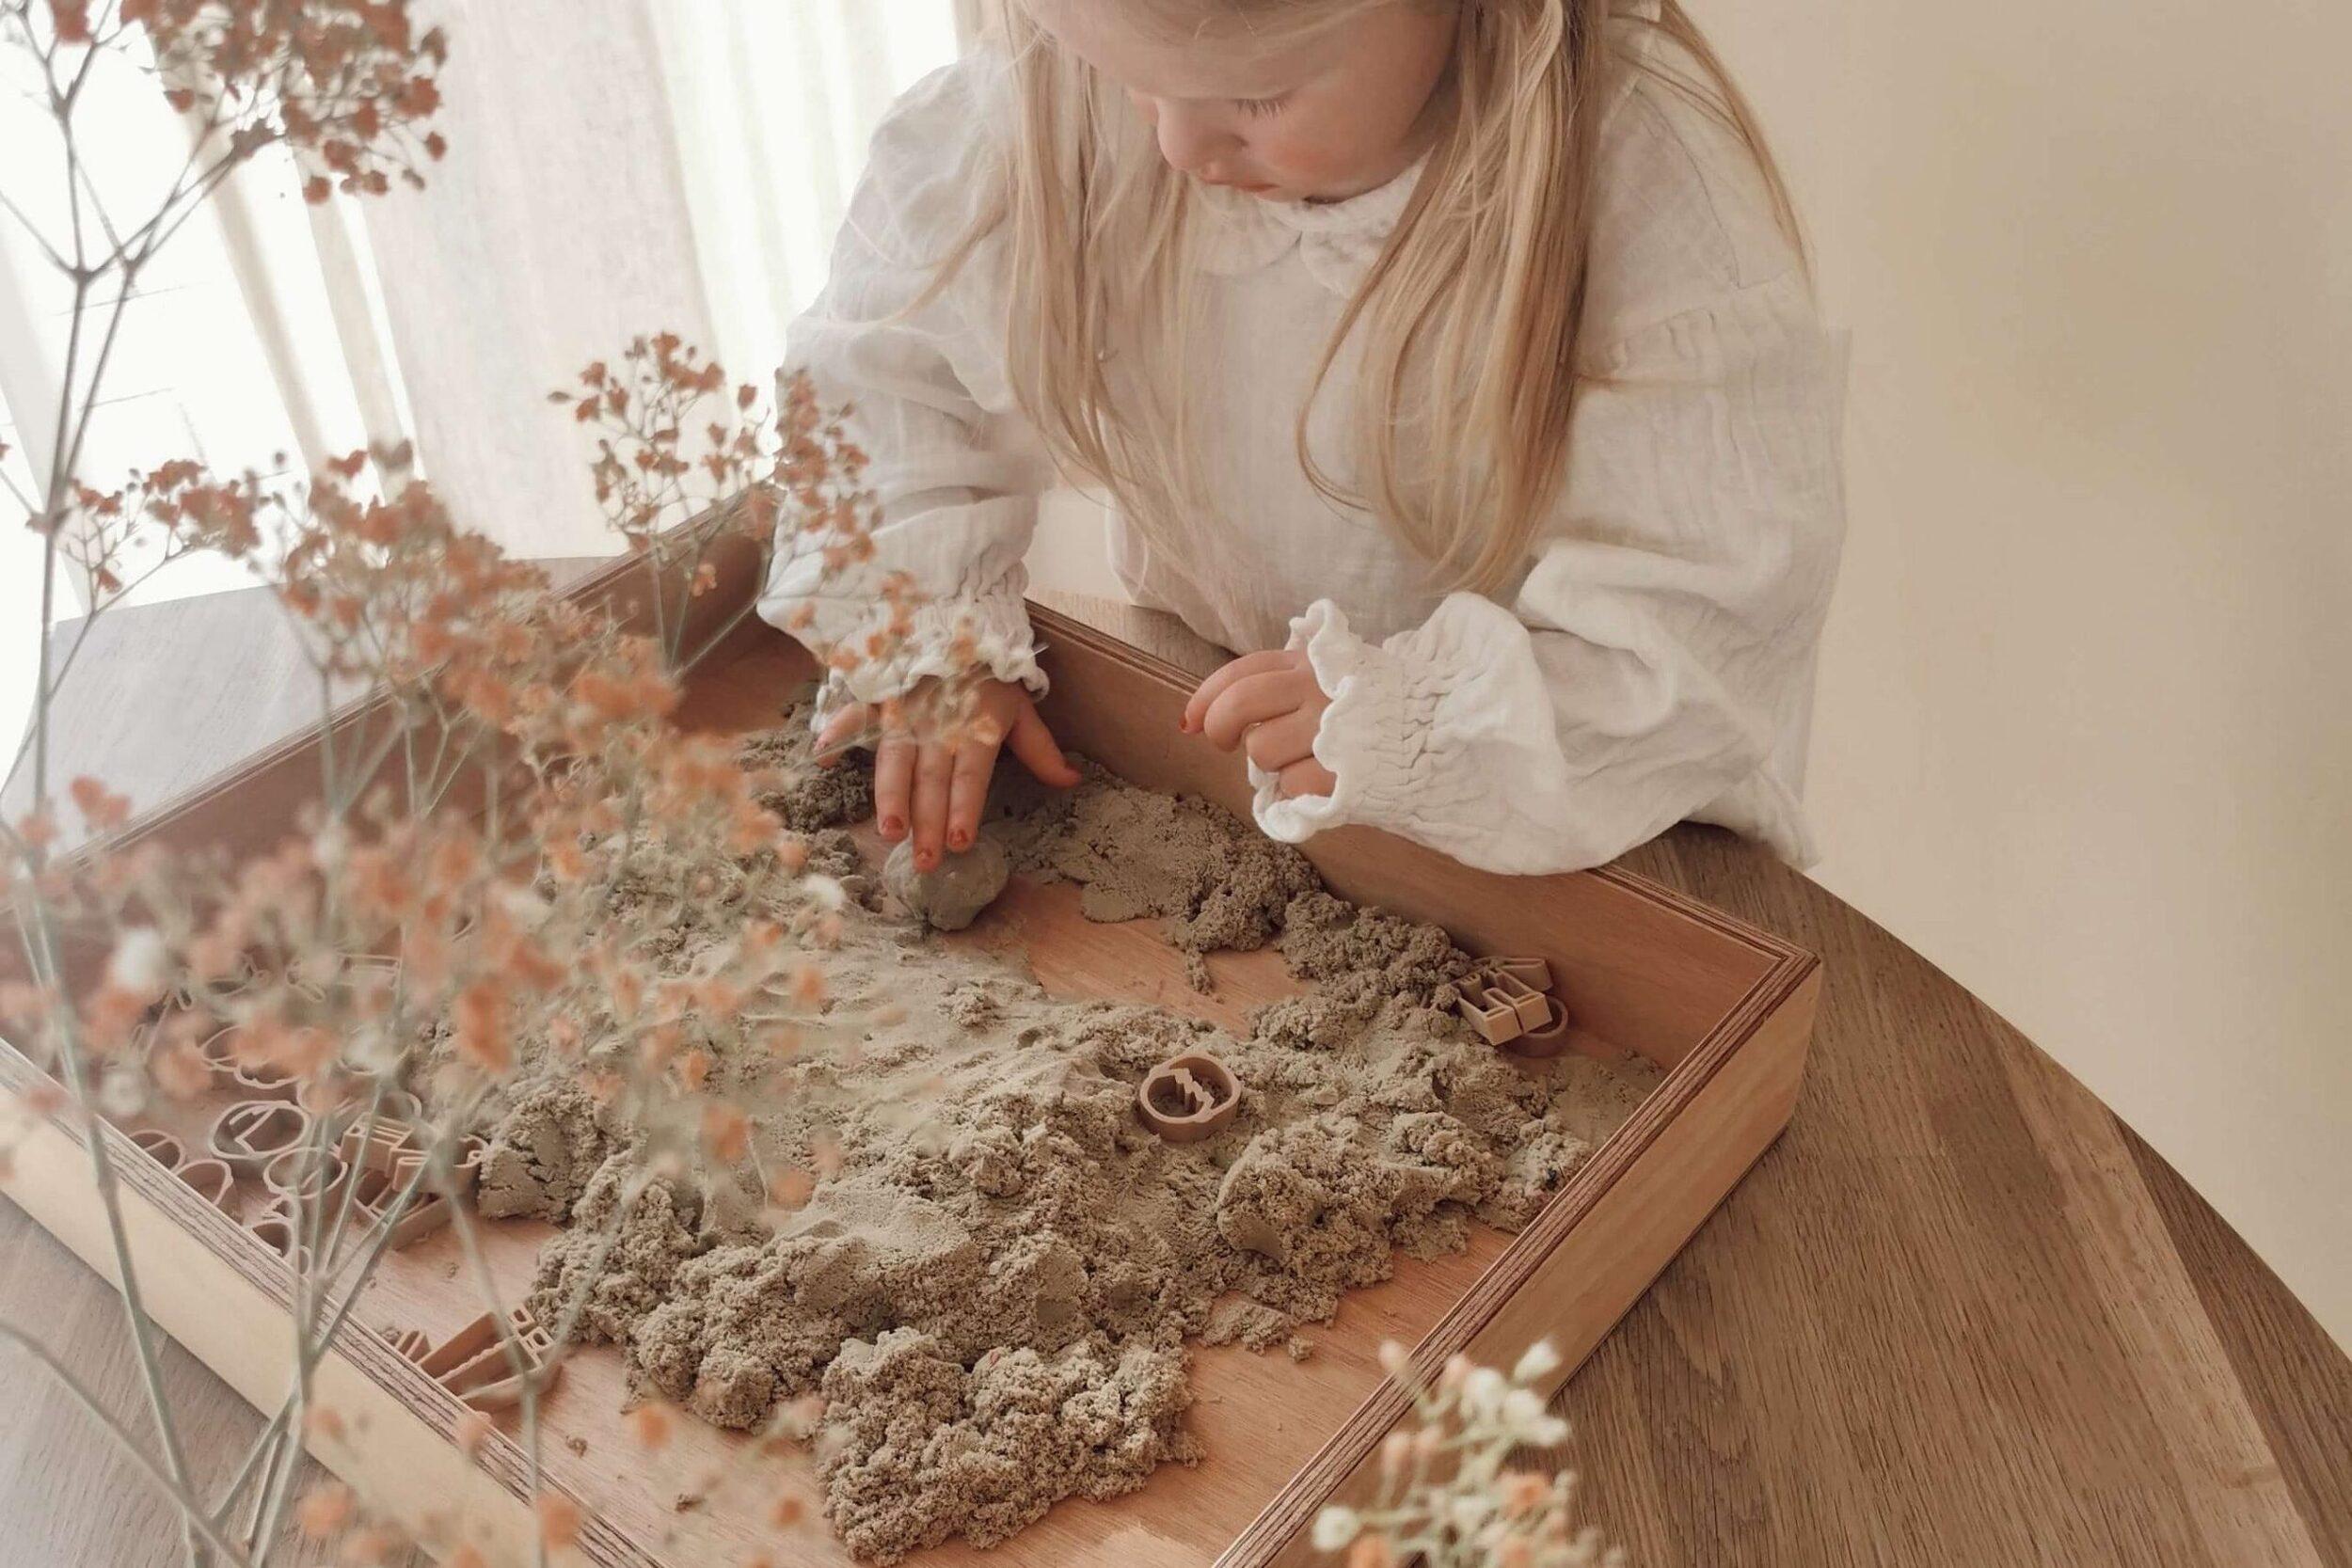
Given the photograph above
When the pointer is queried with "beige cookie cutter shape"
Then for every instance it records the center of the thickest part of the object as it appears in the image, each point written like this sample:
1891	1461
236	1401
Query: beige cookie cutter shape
394	1134
1188	1098
379	1192
274	1228
388	1156
249	1135
208	1178
1509	1002
301	1174
254	1081
378	1146
480	1362
160	1147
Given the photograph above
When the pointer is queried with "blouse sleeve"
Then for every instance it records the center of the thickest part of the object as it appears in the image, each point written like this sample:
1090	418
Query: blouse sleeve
1662	639
957	511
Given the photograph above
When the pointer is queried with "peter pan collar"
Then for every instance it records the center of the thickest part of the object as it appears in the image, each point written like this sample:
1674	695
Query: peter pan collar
1337	241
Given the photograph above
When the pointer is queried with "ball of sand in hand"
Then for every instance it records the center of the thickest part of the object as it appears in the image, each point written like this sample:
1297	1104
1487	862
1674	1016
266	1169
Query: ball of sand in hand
952	895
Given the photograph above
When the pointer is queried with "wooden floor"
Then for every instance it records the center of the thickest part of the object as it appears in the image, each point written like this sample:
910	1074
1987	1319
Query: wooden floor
1959	1315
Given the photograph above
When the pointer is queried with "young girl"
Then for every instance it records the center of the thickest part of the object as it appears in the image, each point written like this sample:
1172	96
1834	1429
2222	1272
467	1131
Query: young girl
1457	355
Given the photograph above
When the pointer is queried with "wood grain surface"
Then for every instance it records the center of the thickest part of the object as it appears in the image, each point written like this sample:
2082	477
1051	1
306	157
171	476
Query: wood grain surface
1959	1314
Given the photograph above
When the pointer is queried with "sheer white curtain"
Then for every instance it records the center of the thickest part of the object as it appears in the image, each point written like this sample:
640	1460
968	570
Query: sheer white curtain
216	357
620	167
615	166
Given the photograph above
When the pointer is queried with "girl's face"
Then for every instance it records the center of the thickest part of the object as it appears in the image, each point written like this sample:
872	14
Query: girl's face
1325	118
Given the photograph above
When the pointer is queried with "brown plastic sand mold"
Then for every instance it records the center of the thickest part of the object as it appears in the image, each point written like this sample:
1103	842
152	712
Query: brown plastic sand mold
263	1083
1549	1040
1529	971
326	1095
377	1147
209	1179
252	1080
252	1133
216	1058
472	1150
464	1174
479	1363
1188	1098
377	1192
1509	1002
314	1176
276	1229
161	1146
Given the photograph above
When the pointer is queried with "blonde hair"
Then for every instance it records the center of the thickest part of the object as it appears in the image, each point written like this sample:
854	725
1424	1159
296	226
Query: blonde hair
1471	314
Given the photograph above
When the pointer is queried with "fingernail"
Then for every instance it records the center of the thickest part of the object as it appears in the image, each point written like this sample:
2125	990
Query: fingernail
959	839
892	827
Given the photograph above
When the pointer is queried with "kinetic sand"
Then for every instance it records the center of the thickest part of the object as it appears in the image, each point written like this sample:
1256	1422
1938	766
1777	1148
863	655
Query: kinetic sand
993	1281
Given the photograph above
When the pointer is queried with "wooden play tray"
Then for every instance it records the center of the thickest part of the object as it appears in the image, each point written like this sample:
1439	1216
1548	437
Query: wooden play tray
1727	1011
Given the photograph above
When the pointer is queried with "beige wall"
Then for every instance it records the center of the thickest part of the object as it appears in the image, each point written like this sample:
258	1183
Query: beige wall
2085	734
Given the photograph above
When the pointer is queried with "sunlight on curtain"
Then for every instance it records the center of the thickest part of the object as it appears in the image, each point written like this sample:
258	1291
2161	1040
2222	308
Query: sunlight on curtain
228	351
596	187
774	104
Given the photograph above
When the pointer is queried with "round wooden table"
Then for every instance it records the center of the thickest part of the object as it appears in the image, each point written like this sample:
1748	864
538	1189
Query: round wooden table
1959	1315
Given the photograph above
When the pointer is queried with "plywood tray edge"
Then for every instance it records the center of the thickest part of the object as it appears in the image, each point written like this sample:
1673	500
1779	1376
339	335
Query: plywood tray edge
1784	997
1052	626
226	1300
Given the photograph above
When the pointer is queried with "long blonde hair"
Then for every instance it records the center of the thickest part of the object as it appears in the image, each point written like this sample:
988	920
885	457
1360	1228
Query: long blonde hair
1479	291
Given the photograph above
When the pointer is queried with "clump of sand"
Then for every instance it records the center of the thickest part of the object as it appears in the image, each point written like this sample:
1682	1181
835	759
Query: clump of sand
951	894
993	1287
927	1448
1217	883
804	794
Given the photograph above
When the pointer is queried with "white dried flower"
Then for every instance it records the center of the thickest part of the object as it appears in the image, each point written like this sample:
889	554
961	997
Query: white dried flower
1469	1511
1481	1393
1335	1527
122	1092
1539	1362
826	891
1521	1409
1548	1431
141	963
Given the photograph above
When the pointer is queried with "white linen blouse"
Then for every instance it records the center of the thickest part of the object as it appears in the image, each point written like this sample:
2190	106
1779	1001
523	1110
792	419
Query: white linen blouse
1656	659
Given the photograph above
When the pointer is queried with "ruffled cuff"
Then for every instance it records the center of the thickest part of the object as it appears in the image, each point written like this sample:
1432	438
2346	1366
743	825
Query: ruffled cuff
1426	733
1372	737
947	638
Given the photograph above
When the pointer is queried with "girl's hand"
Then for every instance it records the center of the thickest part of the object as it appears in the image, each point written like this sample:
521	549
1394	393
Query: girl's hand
935	788
1268	704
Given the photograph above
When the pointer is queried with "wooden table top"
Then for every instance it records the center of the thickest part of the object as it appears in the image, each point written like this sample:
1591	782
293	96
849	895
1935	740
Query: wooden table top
1957	1315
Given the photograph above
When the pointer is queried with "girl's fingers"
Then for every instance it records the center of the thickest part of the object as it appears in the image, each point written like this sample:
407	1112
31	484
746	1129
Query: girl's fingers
1034	744
834	738
1307	778
1279	742
967	792
894	777
1240	668
1254	700
934	774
